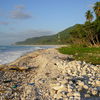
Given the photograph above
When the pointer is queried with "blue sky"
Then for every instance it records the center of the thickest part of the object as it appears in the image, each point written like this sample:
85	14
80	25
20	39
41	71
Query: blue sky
21	19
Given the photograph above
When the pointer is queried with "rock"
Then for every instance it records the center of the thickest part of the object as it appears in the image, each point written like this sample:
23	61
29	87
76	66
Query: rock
57	96
79	89
80	83
77	94
69	94
85	86
87	95
53	91
66	98
58	87
69	90
64	81
70	82
97	83
94	91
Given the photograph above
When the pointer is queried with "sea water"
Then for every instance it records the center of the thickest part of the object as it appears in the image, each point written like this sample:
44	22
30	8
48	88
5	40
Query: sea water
11	53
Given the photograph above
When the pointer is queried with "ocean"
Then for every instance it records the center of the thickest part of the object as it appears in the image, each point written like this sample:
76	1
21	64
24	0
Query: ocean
10	53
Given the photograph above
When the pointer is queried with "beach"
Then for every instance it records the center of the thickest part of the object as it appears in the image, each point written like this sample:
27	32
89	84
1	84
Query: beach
46	74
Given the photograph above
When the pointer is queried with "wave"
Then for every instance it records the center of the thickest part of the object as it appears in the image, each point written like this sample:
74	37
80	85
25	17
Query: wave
10	53
7	56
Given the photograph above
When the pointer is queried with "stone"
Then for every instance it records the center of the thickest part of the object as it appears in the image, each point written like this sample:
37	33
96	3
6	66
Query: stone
69	94
85	86
79	89
97	83
69	90
94	91
76	94
87	95
80	83
66	98
52	77
53	91
64	81
57	96
58	87
70	82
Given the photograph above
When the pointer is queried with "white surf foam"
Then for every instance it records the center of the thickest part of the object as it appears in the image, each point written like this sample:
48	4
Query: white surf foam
9	56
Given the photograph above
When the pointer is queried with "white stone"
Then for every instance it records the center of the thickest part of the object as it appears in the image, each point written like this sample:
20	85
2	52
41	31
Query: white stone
94	91
80	83
85	87
69	94
69	90
87	95
77	94
97	83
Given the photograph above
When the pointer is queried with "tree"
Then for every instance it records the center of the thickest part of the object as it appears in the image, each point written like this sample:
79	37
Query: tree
97	9
89	16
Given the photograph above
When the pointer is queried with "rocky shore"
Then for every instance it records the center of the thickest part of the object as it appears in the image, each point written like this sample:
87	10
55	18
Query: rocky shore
49	75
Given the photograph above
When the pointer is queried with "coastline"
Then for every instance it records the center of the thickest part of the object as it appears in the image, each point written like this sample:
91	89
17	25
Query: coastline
43	45
48	74
11	53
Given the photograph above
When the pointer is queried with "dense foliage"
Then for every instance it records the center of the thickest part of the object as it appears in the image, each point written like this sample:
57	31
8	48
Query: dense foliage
88	33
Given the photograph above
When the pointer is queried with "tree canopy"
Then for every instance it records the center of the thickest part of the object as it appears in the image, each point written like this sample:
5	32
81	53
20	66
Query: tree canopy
88	33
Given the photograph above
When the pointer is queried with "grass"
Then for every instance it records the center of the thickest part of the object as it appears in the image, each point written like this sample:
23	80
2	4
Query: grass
88	54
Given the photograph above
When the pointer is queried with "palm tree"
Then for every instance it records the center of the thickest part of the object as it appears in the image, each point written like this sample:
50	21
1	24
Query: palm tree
89	16
97	9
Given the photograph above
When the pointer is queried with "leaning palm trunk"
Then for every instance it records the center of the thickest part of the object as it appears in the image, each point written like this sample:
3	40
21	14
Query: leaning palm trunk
98	42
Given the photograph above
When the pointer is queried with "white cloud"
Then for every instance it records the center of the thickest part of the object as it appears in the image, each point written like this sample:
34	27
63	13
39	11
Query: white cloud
20	13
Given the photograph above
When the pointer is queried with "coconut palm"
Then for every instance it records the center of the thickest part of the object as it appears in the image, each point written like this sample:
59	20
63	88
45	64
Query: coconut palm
89	16
97	9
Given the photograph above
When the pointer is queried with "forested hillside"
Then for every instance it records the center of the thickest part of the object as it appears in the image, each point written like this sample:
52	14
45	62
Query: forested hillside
60	38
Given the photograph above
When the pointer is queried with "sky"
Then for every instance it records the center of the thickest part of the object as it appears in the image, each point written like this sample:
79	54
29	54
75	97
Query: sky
21	19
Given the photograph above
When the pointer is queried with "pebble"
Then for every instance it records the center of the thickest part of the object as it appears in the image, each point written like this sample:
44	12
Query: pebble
73	79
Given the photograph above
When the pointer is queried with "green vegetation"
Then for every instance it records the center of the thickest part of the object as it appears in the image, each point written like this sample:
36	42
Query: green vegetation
89	16
88	33
39	40
88	54
60	38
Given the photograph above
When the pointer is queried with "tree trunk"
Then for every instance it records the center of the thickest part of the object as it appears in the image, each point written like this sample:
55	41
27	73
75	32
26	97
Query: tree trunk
97	39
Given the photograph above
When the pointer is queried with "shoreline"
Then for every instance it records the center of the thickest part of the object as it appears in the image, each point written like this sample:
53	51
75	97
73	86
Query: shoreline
41	47
49	74
24	53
